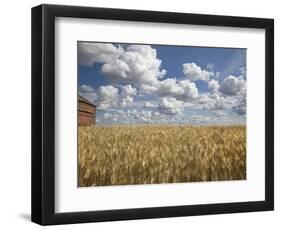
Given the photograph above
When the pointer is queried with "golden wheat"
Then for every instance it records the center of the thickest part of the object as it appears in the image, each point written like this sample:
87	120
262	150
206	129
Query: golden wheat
160	154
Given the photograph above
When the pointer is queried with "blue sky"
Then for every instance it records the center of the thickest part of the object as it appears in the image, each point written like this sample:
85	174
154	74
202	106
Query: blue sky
163	84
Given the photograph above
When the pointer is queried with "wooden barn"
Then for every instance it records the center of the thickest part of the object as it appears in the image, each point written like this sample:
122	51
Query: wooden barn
86	112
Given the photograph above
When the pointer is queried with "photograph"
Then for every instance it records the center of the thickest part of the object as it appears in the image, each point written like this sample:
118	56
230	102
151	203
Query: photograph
141	114
151	114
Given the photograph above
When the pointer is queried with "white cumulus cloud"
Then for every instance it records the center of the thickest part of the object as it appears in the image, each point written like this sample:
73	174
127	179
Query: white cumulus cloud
213	85
170	105
232	85
148	104
219	101
220	114
88	92
190	89
128	90
111	97
107	115
108	97
126	96
171	87
240	108
138	64
216	101
89	52
194	72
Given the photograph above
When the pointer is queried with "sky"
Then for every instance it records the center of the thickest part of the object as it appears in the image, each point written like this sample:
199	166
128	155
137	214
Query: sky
163	84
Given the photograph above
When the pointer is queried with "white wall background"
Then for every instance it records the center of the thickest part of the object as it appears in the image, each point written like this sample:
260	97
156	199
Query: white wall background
15	114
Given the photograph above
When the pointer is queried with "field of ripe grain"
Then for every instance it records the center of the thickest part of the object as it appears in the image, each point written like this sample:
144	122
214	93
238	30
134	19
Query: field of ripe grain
122	155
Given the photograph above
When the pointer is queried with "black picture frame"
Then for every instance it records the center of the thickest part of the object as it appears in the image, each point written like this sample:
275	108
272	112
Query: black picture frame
43	114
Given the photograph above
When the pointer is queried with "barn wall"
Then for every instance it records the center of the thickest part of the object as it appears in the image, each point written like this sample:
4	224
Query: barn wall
86	107
86	114
86	118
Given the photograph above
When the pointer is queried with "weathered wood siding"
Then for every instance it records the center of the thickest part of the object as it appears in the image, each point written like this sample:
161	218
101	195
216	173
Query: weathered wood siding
86	112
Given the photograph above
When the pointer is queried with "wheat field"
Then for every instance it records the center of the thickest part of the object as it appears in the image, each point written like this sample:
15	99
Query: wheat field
123	155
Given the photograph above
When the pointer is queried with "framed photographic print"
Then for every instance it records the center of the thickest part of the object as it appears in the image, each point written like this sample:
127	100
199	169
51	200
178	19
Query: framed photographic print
141	114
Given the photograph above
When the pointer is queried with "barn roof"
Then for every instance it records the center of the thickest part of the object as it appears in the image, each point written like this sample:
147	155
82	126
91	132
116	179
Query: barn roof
83	99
